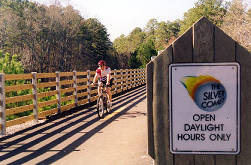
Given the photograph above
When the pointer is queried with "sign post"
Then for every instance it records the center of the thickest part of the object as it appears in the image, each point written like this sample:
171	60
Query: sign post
204	108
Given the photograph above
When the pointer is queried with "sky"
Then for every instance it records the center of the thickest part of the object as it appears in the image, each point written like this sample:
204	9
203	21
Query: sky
122	16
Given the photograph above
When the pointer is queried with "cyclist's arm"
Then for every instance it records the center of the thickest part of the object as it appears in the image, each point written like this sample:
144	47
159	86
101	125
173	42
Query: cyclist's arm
95	78
108	76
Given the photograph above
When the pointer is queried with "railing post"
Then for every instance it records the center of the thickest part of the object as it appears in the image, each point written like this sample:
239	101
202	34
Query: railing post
126	79
121	79
140	76
34	92
115	78
2	105
58	91
144	78
129	79
136	77
75	93
132	78
88	86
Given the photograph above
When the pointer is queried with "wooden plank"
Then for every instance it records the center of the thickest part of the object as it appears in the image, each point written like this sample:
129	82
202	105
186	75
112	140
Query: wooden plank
82	94
18	87
149	95
47	84
63	99
46	103
182	53
58	95
19	120
224	52
160	110
66	82
81	73
46	94
67	107
91	79
43	114
46	75
18	98
92	72
183	48
94	98
203	51
2	104
225	160
82	87
82	102
19	109
66	74
224	47
244	58
81	80
94	91
18	76
71	89
203	41
119	80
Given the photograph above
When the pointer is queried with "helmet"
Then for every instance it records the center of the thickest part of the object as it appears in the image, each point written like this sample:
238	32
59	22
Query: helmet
101	62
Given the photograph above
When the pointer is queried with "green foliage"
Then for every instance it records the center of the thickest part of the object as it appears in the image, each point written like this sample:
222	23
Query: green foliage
214	10
140	43
134	62
146	51
237	23
10	64
53	38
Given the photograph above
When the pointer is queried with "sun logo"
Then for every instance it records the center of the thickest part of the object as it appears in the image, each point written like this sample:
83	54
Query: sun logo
207	92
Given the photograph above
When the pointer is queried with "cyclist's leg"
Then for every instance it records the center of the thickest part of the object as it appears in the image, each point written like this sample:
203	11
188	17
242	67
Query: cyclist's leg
108	90
99	88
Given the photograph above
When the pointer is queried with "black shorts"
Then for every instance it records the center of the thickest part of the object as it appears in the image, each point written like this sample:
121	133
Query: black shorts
111	82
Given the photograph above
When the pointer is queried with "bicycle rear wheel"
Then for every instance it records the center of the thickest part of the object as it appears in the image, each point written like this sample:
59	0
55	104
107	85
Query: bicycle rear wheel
100	107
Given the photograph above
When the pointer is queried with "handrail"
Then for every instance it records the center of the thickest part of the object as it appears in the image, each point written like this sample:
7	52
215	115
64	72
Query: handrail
49	93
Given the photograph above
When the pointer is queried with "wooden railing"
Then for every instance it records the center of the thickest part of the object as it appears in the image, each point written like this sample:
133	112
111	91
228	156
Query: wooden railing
44	94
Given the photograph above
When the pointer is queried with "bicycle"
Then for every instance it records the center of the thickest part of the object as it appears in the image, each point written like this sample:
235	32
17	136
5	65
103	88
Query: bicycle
103	102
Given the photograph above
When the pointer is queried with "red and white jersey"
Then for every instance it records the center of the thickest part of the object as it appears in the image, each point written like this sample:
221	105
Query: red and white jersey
102	74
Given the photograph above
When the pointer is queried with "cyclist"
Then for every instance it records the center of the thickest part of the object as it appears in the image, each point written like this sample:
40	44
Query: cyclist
103	74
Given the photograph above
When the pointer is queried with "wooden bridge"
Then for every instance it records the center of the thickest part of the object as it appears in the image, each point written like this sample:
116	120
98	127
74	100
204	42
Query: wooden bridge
26	97
72	131
78	136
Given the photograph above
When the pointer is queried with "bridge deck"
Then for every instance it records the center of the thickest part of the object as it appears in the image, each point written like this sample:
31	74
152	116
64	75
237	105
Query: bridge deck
82	138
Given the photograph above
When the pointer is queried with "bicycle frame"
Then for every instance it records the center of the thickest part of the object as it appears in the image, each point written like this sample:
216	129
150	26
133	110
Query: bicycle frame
102	101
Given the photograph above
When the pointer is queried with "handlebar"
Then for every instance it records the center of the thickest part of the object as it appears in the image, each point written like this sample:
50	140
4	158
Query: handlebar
96	84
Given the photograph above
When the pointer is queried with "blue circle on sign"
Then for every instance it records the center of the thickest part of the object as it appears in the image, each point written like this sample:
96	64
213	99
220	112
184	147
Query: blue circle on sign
210	96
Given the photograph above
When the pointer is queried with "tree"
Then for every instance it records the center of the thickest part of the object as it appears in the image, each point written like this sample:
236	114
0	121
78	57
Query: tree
10	64
214	10
139	43
53	38
237	23
145	52
165	32
134	61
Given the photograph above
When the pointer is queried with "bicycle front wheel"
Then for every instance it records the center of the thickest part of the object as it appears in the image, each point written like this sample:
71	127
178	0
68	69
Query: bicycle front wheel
108	106
100	107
